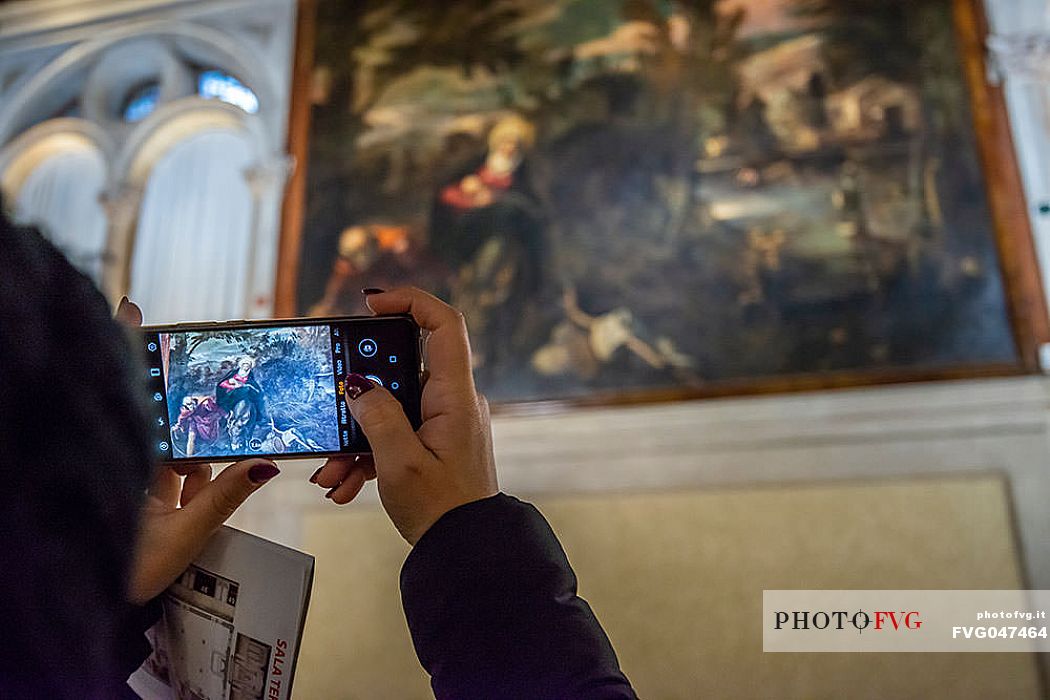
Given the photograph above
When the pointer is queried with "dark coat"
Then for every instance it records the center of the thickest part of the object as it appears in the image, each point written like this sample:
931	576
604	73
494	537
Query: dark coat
75	470
491	602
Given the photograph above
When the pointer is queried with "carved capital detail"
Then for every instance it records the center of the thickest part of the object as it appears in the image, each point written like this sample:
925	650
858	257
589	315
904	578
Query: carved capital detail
1021	56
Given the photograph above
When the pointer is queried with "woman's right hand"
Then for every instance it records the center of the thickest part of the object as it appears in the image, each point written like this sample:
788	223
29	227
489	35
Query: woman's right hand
448	462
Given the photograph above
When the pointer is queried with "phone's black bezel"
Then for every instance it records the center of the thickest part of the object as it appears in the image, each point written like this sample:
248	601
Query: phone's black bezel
417	361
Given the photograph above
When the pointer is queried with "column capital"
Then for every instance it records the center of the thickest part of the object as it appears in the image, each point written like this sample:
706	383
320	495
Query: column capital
269	174
1020	56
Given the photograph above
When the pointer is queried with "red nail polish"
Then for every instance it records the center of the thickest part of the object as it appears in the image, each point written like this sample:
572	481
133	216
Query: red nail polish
261	473
369	291
356	385
313	479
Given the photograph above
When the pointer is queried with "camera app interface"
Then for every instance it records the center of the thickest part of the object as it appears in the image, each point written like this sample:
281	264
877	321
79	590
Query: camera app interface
269	391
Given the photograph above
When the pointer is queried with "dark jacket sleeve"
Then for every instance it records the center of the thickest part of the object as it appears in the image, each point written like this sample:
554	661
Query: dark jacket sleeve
491	602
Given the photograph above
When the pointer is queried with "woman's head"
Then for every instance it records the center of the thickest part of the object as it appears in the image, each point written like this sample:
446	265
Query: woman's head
508	141
512	133
245	364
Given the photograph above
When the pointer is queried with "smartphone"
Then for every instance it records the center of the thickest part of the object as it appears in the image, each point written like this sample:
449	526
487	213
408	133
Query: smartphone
227	391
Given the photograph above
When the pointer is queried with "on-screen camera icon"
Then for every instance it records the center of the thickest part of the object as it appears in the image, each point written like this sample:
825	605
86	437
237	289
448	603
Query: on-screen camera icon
368	347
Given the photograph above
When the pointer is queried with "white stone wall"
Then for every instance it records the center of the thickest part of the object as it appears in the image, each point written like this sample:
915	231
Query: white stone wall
928	429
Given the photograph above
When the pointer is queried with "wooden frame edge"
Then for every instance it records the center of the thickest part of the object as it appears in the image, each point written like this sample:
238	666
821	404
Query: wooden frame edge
294	209
750	388
1022	279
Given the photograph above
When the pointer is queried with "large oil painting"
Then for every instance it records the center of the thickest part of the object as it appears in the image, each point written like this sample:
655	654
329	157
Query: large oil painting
631	196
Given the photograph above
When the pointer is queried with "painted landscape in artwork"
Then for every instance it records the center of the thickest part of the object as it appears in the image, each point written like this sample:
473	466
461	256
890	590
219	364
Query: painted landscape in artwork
630	195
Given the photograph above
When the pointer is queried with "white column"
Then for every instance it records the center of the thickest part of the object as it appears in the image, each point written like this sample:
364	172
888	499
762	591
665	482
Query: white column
121	206
266	182
1021	45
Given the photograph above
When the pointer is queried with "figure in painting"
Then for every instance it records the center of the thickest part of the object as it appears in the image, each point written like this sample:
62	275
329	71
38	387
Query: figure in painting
198	423
240	395
490	218
501	173
381	251
585	344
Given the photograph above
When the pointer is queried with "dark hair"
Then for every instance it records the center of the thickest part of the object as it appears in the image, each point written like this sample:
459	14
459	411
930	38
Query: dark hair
75	460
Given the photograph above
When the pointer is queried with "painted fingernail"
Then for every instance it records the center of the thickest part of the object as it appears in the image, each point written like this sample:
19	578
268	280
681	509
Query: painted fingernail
313	479
369	291
330	492
261	473
356	385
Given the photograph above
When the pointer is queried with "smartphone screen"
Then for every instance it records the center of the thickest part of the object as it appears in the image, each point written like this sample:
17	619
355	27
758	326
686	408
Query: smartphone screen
226	391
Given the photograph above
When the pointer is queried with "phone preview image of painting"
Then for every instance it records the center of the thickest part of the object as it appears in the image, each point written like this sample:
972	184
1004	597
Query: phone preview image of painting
640	194
265	391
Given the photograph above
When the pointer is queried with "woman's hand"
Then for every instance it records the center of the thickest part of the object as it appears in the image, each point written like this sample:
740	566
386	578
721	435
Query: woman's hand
181	514
170	536
448	462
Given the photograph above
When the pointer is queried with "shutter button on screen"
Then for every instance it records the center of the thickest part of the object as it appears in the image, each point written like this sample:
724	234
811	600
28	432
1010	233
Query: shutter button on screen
367	347
374	378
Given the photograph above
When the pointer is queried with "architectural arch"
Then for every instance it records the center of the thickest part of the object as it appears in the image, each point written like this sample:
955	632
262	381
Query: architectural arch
54	176
18	112
166	146
80	71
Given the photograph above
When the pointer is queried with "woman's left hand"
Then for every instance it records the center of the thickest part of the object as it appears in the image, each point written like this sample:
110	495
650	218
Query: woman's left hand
180	514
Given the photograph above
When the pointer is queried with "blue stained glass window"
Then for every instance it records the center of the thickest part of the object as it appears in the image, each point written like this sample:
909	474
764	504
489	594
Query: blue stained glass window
142	103
214	84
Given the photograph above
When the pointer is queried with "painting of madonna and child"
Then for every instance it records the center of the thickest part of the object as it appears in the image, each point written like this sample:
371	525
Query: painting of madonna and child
640	195
258	391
